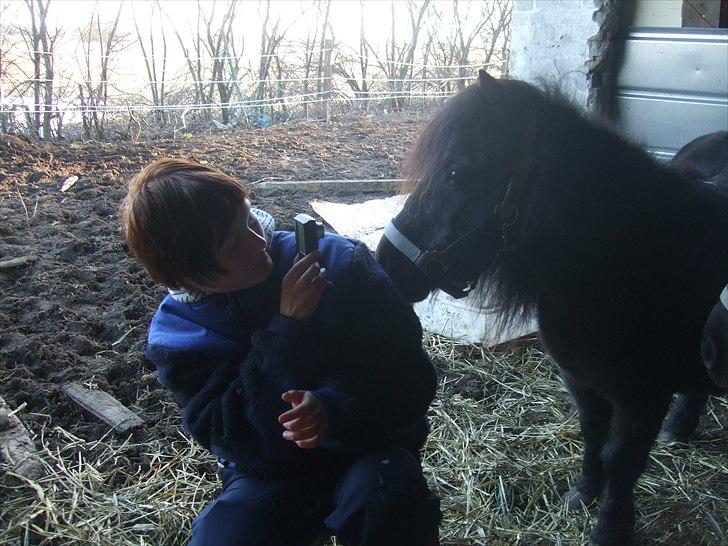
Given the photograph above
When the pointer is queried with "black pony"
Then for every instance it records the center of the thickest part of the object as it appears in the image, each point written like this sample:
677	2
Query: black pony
621	260
704	159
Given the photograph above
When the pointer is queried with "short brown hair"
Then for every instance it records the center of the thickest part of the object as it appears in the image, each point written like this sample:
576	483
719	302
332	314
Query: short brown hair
176	215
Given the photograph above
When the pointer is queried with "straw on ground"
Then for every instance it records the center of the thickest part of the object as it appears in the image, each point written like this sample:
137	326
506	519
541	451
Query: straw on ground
504	447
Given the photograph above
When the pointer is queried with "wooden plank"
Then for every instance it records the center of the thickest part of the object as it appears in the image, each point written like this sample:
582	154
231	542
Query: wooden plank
16	447
373	184
16	262
104	406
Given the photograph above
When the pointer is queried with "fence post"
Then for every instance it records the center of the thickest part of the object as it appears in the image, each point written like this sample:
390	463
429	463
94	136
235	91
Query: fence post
328	45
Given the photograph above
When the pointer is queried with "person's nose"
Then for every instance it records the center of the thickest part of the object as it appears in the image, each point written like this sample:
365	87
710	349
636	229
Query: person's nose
256	241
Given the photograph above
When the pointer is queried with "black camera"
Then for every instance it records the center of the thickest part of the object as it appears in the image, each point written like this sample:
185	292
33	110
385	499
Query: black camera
308	232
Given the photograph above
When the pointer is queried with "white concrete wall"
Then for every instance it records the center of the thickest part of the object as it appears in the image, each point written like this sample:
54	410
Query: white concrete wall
550	40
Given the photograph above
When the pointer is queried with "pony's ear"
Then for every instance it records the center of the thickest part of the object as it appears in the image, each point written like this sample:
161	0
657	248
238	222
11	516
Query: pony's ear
486	81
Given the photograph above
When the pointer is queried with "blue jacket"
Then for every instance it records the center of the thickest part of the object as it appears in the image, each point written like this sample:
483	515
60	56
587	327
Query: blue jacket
228	358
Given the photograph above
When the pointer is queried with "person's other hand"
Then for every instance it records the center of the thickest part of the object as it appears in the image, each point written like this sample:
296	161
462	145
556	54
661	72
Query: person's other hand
302	287
306	423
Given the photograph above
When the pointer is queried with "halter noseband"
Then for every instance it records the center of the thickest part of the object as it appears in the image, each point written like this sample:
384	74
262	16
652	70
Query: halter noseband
435	264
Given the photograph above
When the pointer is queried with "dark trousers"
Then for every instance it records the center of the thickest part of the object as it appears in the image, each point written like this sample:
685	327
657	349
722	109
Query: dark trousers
381	499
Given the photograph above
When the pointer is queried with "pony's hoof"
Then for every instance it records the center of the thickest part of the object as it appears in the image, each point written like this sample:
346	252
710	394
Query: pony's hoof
575	498
611	530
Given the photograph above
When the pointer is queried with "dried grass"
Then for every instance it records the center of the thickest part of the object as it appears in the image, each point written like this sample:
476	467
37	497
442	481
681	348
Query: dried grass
503	449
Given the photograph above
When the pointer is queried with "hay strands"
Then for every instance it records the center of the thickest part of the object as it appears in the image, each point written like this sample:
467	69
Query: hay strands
16	446
104	406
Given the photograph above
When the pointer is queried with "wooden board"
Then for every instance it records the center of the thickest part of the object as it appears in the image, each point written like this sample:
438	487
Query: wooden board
104	406
17	448
374	184
16	262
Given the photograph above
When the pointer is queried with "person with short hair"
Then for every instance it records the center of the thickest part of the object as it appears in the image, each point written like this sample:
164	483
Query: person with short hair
306	377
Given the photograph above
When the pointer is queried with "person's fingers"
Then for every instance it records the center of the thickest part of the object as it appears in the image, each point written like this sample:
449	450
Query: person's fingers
308	276
293	397
298	268
309	444
304	422
299	411
306	434
301	423
313	290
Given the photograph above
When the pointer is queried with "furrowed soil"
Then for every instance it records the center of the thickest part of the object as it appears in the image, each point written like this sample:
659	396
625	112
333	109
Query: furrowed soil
80	310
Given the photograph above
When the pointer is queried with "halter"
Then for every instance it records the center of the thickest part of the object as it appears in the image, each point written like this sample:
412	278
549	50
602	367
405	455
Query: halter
436	264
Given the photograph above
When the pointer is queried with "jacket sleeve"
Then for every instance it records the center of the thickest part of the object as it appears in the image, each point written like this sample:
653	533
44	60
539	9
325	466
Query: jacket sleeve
230	404
387	381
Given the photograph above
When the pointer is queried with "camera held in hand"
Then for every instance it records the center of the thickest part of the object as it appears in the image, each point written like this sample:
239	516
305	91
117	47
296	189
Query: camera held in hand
308	233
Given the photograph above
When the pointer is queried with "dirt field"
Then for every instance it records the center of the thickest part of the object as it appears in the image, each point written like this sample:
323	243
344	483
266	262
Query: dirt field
80	311
61	317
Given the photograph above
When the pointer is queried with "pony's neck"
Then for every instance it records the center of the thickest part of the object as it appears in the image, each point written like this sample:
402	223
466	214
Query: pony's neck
595	206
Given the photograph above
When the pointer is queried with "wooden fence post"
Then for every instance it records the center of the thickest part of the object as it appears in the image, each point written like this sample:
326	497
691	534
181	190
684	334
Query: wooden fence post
329	44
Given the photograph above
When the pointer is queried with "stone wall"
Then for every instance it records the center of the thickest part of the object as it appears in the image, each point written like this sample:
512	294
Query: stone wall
550	40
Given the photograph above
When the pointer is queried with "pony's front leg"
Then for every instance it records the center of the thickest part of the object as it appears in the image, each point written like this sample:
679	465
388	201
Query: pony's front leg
635	424
683	418
595	413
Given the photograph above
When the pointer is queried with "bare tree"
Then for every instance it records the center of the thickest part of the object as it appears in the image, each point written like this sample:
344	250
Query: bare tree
214	59
324	27
40	44
220	45
428	44
154	63
308	55
464	38
194	60
271	38
479	34
354	68
4	62
96	88
499	32
426	54
399	61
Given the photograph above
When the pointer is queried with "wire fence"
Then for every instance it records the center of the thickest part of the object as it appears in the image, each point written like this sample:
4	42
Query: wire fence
153	102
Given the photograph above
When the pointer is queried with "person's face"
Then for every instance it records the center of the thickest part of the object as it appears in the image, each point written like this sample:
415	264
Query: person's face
242	255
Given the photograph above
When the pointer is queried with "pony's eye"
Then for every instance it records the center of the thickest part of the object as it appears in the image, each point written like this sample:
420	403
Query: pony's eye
453	176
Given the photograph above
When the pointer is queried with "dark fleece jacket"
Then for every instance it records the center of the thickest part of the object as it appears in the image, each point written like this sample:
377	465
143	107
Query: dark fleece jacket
228	358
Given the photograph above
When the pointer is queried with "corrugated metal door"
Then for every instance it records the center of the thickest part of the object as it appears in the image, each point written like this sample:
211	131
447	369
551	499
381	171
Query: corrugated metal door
673	86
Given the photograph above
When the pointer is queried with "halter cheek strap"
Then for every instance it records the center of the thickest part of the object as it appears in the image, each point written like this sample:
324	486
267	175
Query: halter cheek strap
507	210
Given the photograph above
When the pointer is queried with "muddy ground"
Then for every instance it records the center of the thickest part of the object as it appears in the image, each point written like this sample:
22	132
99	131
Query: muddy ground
80	311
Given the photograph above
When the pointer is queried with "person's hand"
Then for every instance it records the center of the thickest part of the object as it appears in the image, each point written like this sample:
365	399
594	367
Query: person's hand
306	423
302	287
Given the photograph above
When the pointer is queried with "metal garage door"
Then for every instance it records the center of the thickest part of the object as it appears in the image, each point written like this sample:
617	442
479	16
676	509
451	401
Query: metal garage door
673	86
